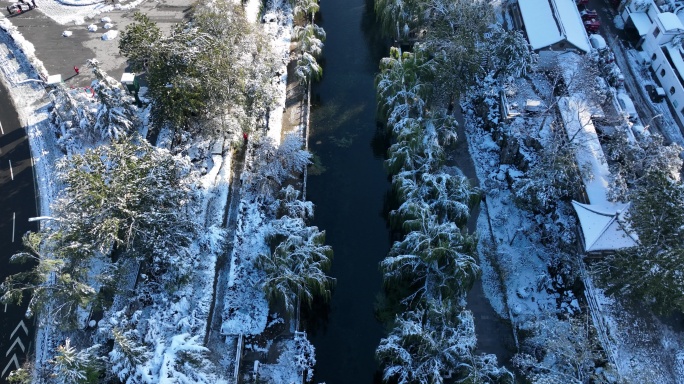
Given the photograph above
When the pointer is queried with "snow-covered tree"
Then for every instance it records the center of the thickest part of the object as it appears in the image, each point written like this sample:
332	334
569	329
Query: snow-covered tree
630	161
130	195
73	367
297	264
448	196
553	177
456	36
397	17
290	205
403	85
414	153
215	60
55	284
652	272
117	115
434	345
310	38
274	165
185	360
559	351
74	116
126	354
434	259
304	8
137	40
511	52
22	375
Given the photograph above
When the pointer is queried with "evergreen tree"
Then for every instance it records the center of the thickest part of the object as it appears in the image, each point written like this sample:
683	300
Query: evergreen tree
129	195
652	272
74	367
434	259
297	265
117	115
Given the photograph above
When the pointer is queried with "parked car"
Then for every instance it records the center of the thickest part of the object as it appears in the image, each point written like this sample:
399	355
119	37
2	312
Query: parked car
592	25
625	106
657	94
18	8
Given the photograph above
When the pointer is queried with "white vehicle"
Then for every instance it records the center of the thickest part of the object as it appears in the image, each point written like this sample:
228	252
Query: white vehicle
625	106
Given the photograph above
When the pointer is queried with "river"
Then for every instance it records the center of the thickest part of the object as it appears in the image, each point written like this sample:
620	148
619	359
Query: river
351	199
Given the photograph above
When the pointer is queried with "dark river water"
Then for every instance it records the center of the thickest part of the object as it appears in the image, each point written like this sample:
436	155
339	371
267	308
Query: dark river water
350	194
351	198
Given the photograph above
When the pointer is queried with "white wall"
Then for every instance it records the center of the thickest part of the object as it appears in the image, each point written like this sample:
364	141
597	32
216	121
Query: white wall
668	81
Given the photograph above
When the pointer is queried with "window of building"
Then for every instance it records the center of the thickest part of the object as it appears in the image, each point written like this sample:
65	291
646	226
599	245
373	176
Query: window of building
662	72
672	90
656	32
682	112
653	57
675	103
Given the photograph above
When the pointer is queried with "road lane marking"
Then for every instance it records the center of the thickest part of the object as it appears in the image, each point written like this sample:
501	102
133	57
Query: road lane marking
20	325
16	341
14	221
2	130
16	364
11	170
5	307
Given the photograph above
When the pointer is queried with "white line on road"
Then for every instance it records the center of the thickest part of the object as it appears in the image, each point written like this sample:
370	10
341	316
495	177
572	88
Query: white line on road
16	341
12	360
5	307
2	130
21	325
11	170
14	220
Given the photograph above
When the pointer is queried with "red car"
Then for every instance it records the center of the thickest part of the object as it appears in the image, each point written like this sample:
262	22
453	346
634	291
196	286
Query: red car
589	14
592	26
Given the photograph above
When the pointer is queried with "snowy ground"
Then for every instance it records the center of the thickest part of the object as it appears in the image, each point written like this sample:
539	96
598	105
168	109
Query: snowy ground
516	277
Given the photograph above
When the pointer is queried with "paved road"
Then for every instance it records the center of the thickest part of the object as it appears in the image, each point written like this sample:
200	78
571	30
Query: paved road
60	54
17	204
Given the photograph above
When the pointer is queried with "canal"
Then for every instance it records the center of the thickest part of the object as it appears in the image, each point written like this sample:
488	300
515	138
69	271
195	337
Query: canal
350	195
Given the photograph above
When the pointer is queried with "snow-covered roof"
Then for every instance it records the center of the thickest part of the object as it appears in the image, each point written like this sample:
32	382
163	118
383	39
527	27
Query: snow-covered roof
641	21
540	24
548	22
128	78
605	230
670	22
571	25
576	115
